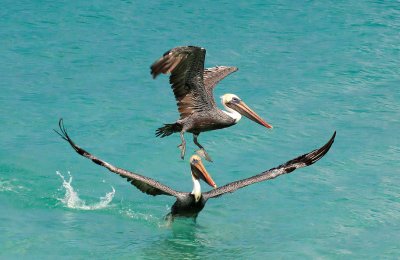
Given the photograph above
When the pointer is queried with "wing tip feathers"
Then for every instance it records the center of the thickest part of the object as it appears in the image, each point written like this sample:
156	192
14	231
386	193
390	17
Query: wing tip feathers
316	155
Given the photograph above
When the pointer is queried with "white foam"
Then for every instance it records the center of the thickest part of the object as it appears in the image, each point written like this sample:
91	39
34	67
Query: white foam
71	198
8	185
161	223
5	186
135	215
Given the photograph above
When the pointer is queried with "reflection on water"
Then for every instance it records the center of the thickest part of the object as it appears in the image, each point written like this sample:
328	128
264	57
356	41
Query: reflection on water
185	241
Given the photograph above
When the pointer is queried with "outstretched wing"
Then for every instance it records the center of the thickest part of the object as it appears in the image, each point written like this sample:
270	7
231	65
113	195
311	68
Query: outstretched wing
288	167
144	184
215	74
186	65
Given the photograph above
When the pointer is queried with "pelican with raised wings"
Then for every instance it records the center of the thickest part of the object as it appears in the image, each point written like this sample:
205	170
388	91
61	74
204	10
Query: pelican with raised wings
189	204
193	89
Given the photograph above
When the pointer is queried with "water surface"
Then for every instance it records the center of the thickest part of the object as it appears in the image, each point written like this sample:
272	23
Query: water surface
308	68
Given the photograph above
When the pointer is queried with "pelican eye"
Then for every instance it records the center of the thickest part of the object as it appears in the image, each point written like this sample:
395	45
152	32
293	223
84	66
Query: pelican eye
235	100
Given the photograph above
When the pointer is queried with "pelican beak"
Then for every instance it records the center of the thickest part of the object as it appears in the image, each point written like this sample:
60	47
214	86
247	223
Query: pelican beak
243	109
200	172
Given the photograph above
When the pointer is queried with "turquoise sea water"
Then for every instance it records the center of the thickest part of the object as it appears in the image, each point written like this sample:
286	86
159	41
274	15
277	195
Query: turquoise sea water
307	67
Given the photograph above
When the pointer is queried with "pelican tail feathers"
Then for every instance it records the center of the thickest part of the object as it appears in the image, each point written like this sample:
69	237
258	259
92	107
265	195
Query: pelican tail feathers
168	129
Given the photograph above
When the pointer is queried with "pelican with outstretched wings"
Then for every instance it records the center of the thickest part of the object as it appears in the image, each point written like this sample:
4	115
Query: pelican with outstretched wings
193	89
189	204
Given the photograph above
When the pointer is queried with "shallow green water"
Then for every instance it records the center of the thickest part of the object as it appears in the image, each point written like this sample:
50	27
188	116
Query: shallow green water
309	68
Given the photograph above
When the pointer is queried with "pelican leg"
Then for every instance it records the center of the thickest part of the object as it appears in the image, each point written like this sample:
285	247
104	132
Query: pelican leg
169	219
182	146
202	152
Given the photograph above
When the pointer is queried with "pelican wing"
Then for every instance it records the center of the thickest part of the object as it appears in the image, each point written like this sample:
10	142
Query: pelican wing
144	184
288	167
215	74
186	65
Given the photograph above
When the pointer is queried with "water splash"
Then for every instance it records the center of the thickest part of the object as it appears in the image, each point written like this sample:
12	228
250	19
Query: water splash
71	198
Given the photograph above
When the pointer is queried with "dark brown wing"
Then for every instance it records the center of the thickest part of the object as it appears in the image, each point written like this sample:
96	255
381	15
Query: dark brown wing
215	74
288	167
186	65
144	184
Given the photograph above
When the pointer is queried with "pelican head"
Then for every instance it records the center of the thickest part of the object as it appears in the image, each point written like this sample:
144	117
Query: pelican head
236	107
199	172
